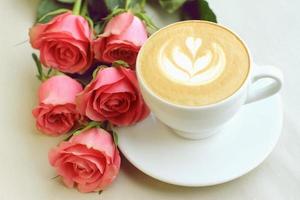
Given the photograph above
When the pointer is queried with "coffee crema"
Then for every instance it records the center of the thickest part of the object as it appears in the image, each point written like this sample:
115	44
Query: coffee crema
193	63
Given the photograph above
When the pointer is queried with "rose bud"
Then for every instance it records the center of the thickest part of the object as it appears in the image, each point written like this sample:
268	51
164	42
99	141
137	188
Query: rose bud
64	43
90	160
122	39
113	95
56	113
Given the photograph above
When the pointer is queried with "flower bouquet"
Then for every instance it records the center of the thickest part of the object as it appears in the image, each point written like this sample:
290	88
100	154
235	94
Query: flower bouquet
86	65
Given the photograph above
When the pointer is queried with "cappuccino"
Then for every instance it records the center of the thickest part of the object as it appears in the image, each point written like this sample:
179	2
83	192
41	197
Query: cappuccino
193	63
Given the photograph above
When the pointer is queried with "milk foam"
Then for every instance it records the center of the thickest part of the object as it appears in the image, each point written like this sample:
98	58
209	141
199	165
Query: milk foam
193	63
188	67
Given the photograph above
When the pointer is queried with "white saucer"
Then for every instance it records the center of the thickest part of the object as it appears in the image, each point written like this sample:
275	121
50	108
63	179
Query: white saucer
244	143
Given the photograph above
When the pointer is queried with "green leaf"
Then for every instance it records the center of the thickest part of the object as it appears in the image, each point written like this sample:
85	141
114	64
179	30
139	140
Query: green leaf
115	12
90	125
136	5
57	176
115	137
113	4
66	1
120	63
38	64
90	21
52	72
99	27
198	9
46	6
68	138
144	17
206	12
171	5
53	13
49	72
95	72
125	4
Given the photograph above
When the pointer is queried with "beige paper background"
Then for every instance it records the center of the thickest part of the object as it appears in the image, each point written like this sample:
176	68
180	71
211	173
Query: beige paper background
272	31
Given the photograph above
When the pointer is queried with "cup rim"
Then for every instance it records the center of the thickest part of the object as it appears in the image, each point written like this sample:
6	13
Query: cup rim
221	102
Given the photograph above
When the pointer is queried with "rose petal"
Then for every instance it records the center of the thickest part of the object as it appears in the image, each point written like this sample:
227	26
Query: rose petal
97	139
118	24
114	48
91	160
59	89
135	33
64	30
99	47
91	112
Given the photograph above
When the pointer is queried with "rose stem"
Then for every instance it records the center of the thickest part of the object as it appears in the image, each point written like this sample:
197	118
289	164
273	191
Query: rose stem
77	7
84	9
127	3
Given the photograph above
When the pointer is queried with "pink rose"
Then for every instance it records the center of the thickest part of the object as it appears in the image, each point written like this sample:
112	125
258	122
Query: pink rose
56	113
114	95
90	160
122	39
64	43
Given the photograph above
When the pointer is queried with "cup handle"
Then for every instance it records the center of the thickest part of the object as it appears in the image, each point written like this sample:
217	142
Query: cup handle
262	72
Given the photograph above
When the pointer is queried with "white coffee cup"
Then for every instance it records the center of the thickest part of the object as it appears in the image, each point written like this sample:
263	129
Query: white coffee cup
197	122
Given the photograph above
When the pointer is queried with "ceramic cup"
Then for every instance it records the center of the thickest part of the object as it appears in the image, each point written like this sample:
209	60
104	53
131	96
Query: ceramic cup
197	122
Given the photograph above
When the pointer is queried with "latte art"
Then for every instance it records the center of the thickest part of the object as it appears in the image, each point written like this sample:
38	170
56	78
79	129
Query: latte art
193	63
191	69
